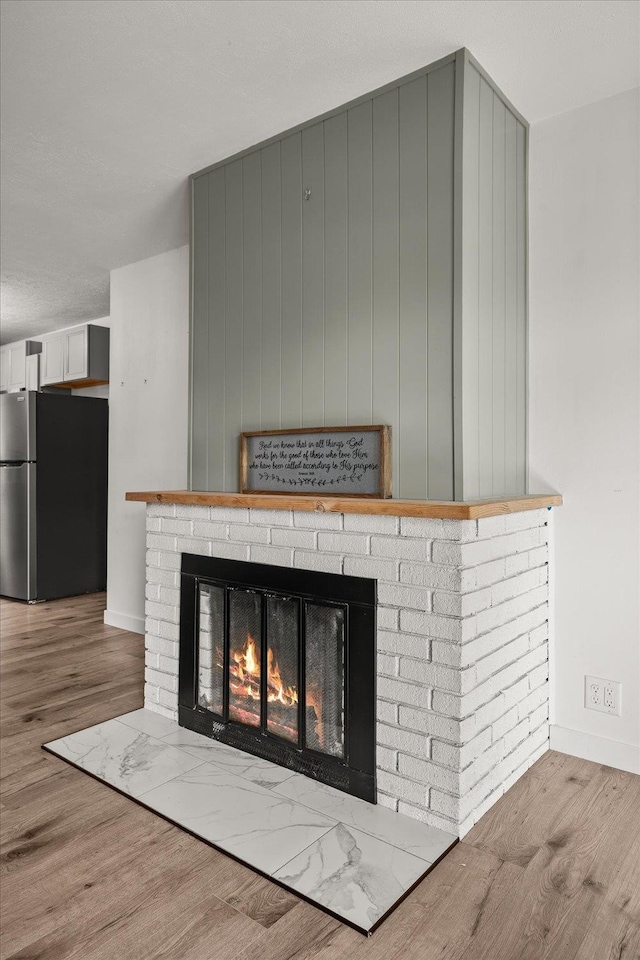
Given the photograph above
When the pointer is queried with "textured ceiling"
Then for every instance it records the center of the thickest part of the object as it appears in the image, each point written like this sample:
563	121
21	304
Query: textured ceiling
109	105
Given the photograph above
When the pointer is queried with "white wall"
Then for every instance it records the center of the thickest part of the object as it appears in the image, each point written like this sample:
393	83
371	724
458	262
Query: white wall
148	414
584	409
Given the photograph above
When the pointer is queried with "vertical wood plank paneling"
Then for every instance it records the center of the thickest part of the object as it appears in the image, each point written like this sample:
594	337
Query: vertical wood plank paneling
313	276
521	400
385	263
291	187
335	270
233	321
271	373
216	372
251	289
470	288
200	335
359	383
485	291
440	161
410	440
499	312
511	300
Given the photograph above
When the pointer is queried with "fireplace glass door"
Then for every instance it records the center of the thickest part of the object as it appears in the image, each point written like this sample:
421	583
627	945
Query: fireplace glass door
288	673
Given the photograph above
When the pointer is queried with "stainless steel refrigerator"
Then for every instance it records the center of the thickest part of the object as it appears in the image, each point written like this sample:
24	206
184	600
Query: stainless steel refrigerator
53	495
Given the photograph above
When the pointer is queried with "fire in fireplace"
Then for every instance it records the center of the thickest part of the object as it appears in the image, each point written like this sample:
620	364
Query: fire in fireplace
281	663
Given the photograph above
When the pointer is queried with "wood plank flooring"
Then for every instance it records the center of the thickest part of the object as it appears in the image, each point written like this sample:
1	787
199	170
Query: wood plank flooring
552	872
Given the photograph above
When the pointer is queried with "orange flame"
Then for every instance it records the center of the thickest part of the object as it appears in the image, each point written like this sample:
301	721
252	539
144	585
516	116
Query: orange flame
245	669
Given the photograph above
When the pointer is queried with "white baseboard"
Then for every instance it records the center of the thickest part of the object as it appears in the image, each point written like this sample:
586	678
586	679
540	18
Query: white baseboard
124	621
613	753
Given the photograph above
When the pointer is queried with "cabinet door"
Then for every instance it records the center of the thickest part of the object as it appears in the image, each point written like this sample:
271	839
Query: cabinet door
52	364
4	368
32	372
76	354
17	356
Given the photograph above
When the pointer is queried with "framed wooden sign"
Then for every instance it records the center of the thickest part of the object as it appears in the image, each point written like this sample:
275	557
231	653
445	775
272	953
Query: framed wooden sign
344	461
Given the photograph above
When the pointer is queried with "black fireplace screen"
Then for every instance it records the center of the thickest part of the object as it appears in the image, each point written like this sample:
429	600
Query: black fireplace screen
281	663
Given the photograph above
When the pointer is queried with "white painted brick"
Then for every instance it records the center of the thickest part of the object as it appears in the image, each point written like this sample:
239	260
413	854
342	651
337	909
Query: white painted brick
491	711
435	675
479	647
427	816
461	605
388	618
446	653
412	694
277	556
539	635
343	543
403	644
538	675
169	631
517	563
514	693
170	595
317	520
404	740
201	548
367	523
182	528
526	518
151	660
164	681
161	646
444	803
541	715
533	701
387	712
514	586
316	561
435	529
158	541
169	560
519	542
485	763
152	558
185	512
400	595
210	530
395	548
166	578
451	704
510	609
162	611
505	723
487	574
428	773
461	554
402	787
161	509
288	537
386	759
249	533
437	626
168	666
152	591
151	626
225	550
514	737
272	518
491	527
435	724
230	514
505	655
387	801
387	665
371	567
163	711
168	699
456	757
153	525
150	694
430	575
539	557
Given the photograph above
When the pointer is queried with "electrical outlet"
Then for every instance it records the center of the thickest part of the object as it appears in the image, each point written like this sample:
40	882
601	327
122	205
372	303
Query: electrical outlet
602	695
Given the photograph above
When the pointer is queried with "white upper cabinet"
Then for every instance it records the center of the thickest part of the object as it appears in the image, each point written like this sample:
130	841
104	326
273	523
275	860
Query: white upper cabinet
13	358
77	356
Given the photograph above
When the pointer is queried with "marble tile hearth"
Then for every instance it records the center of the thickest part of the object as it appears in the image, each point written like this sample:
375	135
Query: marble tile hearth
351	858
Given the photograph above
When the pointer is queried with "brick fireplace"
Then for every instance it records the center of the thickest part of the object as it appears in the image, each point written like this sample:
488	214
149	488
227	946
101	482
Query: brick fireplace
462	628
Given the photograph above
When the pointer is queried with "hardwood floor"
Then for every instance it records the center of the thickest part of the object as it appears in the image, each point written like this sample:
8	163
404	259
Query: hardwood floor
552	872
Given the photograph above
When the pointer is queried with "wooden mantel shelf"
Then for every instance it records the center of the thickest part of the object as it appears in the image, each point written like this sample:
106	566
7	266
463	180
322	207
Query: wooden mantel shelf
440	509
